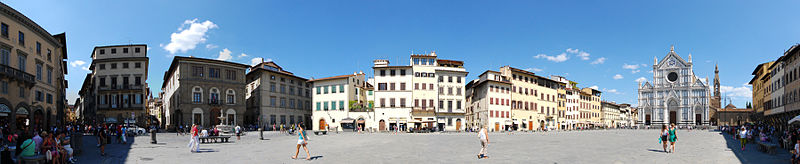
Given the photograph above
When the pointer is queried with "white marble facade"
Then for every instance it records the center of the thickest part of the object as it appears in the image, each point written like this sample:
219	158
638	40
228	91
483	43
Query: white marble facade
674	95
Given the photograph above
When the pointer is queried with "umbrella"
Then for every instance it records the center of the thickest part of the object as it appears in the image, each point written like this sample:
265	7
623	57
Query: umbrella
794	120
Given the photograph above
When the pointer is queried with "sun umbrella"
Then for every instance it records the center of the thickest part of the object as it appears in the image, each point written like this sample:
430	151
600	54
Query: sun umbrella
794	120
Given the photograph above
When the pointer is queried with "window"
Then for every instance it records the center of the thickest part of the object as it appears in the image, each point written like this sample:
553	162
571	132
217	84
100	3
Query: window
39	96
231	75
138	80
3	87
272	101
402	86
402	102
213	72
441	79
458	104
450	79
383	73
39	71
272	87
391	102
113	65
283	102
197	71
392	72
458	79
369	93
49	98
137	50
125	65
4	30
102	51
381	86
49	55
231	96
21	39
318	106
319	89
124	50
102	81
113	51
341	88
38	48
21	62
4	56
402	72
383	102
441	104
197	95
341	105
22	91
49	75
325	106
333	89
102	66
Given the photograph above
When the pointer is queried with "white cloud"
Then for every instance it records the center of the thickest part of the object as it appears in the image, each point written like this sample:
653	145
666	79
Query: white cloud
77	63
242	55
560	58
225	54
595	87
188	38
743	91
86	68
617	77
614	91
633	67
533	69
641	79
211	46
582	54
257	60
600	60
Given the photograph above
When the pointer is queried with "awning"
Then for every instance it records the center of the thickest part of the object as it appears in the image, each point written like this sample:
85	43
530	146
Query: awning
347	121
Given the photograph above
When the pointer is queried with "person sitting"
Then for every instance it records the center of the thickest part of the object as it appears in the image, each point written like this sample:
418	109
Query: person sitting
204	133
27	148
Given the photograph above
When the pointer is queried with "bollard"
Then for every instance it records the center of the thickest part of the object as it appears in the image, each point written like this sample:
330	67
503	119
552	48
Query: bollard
261	133
153	136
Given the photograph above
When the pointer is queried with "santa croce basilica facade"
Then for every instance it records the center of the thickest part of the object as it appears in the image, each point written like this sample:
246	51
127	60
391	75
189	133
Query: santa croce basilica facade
674	95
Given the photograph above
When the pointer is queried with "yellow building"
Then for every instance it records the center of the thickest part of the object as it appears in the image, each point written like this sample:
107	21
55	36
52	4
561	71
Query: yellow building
32	69
590	107
759	87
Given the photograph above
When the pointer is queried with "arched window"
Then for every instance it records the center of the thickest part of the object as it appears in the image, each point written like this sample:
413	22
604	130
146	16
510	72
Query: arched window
230	96
197	94
214	96
197	116
231	115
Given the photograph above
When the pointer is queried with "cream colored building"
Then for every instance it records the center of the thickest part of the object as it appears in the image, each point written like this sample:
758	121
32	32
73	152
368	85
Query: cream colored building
427	94
118	84
570	94
589	108
32	69
488	99
340	103
610	114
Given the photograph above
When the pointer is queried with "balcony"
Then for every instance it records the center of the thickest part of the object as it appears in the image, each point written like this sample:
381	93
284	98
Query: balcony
16	74
214	102
423	111
114	87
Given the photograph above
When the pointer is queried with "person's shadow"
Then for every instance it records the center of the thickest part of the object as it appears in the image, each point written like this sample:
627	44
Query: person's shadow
656	150
202	150
315	157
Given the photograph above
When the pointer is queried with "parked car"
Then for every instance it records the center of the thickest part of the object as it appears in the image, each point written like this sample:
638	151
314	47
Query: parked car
135	130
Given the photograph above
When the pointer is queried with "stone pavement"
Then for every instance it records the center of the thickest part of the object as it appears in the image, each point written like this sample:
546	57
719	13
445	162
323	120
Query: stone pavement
598	146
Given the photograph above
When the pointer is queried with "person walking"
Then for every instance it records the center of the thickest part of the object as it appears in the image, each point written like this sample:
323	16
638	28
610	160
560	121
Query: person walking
483	136
103	137
663	138
238	132
743	137
194	143
673	137
302	141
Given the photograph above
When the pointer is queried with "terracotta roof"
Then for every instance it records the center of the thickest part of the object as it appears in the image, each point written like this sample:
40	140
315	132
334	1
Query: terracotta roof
333	77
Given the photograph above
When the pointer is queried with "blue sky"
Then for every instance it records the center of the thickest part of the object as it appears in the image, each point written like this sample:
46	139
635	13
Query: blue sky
327	38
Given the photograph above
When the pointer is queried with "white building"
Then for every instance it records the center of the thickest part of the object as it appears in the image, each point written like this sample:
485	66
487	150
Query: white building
428	94
340	103
675	95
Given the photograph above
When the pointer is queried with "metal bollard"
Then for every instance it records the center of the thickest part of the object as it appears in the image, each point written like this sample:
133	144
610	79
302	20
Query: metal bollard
153	136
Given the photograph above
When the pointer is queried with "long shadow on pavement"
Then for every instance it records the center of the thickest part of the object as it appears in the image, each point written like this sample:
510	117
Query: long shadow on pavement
115	153
751	154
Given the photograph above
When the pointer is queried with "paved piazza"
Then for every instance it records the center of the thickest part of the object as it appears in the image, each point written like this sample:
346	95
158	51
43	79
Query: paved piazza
598	146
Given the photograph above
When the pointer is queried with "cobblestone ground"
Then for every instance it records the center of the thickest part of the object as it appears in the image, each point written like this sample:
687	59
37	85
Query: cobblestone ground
598	146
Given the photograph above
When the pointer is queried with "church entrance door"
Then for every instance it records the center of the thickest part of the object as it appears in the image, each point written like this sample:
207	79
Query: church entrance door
698	119
673	117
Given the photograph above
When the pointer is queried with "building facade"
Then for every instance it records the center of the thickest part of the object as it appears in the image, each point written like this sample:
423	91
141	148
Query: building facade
610	114
675	95
340	103
427	94
32	70
204	92
760	89
488	99
591	108
116	86
277	97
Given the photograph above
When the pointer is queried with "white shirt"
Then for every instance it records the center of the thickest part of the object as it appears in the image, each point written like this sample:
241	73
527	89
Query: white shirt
482	134
743	134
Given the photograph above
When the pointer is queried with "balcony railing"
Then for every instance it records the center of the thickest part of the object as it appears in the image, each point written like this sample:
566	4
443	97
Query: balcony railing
17	74
120	87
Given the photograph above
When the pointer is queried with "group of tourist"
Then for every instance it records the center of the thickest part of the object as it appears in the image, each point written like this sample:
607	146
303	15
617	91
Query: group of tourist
668	134
53	143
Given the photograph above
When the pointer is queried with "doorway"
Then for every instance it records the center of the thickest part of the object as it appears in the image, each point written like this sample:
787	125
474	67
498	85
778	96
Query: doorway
458	124
382	125
647	119
322	124
530	125
496	126
673	117
698	119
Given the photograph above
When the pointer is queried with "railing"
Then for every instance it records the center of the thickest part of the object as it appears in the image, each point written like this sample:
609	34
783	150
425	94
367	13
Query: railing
121	87
17	74
214	102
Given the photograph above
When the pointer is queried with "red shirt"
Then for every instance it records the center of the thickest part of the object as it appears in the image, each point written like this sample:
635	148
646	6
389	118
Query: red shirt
194	130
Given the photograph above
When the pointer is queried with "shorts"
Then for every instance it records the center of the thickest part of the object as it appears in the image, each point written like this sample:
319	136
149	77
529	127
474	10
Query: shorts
69	150
301	142
664	138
